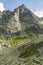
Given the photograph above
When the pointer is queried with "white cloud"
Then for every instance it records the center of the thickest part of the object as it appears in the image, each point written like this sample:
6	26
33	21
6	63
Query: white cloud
2	7
39	13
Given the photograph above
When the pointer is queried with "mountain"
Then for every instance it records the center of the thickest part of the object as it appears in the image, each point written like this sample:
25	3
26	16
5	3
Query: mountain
20	23
21	37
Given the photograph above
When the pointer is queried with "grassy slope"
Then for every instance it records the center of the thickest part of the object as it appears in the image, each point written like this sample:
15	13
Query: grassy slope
11	54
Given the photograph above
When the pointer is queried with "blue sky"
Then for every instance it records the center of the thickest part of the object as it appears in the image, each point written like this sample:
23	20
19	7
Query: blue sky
35	5
31	4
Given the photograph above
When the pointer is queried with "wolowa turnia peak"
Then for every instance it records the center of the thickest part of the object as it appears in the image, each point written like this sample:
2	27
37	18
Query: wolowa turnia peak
12	24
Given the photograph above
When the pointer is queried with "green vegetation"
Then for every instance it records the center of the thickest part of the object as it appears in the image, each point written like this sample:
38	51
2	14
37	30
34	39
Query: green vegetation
29	51
1	38
29	39
18	40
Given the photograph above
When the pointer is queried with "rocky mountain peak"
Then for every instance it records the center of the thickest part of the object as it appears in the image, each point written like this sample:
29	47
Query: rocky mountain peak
21	19
22	6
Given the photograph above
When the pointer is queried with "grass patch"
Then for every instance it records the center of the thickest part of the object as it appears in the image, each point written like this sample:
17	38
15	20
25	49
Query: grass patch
18	40
30	39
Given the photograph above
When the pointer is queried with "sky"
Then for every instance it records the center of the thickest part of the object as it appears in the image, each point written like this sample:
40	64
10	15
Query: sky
35	5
